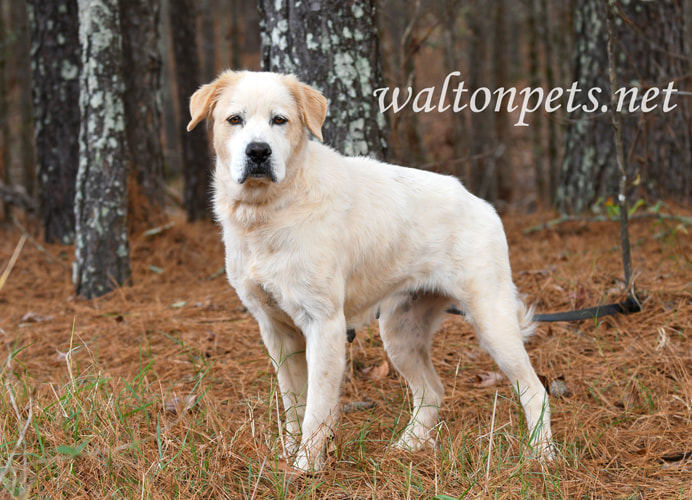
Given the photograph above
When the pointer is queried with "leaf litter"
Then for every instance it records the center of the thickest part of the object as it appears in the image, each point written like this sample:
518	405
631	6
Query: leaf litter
621	387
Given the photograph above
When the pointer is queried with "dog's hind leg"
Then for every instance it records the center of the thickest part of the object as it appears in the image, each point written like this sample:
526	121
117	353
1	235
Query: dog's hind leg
406	328
499	318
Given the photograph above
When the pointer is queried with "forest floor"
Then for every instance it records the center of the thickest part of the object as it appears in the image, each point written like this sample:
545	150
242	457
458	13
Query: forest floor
163	389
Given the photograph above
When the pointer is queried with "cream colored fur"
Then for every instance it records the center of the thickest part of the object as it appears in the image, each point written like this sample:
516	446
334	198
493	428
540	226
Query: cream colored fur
328	240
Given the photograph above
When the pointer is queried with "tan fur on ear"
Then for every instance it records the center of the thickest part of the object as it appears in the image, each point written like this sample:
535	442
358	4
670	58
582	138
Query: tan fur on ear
203	101
313	108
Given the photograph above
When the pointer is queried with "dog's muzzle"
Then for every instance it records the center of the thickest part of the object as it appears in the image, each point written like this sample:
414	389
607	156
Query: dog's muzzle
258	164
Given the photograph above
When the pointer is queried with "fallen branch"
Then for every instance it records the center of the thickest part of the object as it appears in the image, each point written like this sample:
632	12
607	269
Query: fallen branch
605	218
17	198
38	246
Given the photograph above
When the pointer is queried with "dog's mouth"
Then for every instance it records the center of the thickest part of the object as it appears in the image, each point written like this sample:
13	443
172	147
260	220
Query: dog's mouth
257	171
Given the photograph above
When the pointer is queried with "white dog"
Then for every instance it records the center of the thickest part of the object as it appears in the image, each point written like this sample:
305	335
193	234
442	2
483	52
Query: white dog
317	243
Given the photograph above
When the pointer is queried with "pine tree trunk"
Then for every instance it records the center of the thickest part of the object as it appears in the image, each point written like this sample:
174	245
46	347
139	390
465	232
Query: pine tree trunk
4	121
55	65
545	19
536	129
171	129
448	15
331	45
22	53
196	158
484	146
208	36
658	144
101	245
503	182
143	108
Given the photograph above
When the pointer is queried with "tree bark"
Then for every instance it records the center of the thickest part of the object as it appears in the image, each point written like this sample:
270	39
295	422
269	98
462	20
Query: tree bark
196	158
55	64
553	169
331	45
4	119
503	182
171	127
448	11
536	129
142	99
589	143
208	38
484	145
658	144
101	244
22	81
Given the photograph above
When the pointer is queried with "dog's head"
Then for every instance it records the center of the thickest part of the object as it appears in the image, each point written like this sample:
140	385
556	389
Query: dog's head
259	121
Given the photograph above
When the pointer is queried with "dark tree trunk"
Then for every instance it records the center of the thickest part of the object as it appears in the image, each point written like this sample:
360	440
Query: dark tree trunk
448	15
208	37
142	59
101	246
4	117
589	147
55	64
22	81
331	45
536	129
482	173
171	130
546	23
196	158
658	144
502	183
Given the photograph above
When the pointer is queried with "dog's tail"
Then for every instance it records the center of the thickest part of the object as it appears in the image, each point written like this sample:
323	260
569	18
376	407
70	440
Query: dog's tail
526	323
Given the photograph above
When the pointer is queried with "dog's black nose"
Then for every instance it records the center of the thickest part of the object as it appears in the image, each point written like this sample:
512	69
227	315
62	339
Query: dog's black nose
258	151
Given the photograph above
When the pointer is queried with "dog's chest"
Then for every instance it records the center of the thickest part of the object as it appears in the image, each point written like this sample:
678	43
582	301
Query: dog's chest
264	269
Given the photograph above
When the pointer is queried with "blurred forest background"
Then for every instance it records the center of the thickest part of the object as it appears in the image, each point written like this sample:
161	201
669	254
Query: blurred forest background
158	52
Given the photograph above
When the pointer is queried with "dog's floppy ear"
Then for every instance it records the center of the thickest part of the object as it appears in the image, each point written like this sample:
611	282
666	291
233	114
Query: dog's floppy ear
203	101
313	108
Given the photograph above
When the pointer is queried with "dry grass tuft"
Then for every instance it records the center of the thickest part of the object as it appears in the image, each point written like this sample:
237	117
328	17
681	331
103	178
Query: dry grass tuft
163	389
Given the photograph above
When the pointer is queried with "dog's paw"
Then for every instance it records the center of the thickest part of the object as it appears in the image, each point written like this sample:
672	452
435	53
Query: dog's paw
305	464
545	451
415	438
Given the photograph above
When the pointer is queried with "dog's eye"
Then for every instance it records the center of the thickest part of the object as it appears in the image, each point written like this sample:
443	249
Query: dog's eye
235	120
279	120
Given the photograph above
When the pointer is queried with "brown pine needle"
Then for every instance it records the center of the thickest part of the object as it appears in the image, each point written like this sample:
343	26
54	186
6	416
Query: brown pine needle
13	260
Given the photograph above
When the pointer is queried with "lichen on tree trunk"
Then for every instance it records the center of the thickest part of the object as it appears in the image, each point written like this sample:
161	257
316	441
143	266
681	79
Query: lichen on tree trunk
659	145
101	246
55	65
331	45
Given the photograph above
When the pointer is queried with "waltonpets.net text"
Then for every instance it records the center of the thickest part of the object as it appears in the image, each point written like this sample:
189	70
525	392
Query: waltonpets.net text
532	99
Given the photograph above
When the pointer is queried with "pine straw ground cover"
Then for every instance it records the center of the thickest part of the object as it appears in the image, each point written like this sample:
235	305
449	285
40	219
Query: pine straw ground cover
163	389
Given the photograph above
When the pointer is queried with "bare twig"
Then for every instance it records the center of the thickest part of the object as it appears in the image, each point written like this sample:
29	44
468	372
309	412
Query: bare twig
619	150
15	255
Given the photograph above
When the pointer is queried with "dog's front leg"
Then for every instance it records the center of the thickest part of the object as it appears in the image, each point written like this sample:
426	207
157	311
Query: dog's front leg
286	348
326	359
